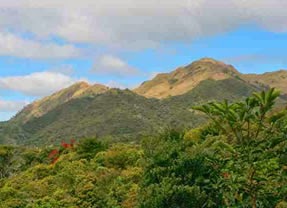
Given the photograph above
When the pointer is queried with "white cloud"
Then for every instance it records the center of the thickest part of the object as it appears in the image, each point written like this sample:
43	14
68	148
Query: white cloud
11	45
114	66
36	84
136	23
11	106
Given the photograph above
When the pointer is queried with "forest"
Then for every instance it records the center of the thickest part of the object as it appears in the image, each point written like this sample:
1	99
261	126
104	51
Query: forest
236	159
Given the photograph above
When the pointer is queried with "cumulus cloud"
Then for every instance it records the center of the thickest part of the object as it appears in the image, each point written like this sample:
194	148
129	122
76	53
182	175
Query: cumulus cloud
11	106
36	84
136	23
114	66
11	45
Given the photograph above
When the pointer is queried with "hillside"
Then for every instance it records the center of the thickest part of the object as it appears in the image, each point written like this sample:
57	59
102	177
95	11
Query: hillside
42	106
277	79
186	78
84	110
220	164
123	115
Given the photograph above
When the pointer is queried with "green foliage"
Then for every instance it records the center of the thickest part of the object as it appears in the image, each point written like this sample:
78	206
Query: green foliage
238	159
6	155
235	161
89	147
254	175
244	120
174	175
119	114
104	177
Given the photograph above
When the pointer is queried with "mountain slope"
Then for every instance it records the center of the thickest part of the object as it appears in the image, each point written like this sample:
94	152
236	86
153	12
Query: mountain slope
124	115
186	78
84	110
113	113
41	107
277	79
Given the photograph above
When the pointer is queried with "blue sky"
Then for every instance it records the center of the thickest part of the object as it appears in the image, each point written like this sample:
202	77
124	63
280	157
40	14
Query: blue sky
47	45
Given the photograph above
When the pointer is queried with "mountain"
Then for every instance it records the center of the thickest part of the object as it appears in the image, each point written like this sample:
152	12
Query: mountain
186	78
41	107
84	110
121	115
277	79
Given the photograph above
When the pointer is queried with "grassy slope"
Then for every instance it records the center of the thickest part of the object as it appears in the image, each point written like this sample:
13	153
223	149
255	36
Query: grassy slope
124	115
277	79
186	78
46	104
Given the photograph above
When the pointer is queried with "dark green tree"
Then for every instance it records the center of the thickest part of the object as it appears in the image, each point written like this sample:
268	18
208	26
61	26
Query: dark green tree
89	147
255	174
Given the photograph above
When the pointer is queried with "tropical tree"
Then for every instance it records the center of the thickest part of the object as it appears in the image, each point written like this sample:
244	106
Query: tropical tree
255	174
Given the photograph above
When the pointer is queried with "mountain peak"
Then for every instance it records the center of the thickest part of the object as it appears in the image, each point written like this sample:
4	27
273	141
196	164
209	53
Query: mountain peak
95	89
213	64
208	59
184	79
80	84
42	106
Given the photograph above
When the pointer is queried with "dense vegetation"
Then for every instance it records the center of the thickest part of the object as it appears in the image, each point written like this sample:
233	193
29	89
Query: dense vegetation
238	159
119	115
83	110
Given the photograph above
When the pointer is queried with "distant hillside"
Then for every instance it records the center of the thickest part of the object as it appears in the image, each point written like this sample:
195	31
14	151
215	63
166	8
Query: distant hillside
277	79
84	110
186	78
42	106
123	115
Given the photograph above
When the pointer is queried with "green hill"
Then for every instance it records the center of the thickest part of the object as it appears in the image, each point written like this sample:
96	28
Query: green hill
84	110
121	115
42	106
238	159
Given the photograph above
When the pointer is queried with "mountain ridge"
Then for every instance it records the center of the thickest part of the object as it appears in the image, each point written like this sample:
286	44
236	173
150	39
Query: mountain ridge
276	79
84	110
42	106
123	115
184	79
